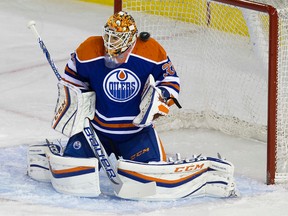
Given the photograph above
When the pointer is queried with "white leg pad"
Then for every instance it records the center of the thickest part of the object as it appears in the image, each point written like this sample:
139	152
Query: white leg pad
225	188
179	180
75	176
38	166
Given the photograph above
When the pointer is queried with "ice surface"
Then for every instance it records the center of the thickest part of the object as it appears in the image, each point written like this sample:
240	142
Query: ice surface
27	100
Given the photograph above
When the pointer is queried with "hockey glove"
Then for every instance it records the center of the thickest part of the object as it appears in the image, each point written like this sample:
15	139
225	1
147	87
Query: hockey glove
153	104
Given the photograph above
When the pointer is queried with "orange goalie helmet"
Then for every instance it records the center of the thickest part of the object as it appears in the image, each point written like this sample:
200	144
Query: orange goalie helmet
119	33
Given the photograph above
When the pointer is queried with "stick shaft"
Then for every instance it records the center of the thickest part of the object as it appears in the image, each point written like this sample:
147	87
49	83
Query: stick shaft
100	153
32	26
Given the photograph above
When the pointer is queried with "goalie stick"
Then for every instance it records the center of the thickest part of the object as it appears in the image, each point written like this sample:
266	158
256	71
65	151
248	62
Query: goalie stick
127	190
31	25
100	153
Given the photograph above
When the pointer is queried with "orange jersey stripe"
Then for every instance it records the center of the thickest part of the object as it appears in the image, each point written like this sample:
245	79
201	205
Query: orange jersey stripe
72	83
111	125
170	84
68	70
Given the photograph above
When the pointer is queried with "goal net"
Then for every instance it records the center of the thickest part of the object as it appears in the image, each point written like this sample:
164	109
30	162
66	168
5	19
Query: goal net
232	60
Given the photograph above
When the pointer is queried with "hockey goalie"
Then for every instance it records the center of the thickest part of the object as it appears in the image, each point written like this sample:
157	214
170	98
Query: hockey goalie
115	87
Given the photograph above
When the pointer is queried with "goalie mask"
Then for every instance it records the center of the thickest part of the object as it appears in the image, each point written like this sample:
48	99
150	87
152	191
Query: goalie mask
119	35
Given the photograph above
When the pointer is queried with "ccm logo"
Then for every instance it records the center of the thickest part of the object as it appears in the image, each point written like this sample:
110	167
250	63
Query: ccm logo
189	168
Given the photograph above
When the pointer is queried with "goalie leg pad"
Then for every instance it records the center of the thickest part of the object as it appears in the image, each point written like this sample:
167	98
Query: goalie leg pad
179	180
75	176
225	187
38	166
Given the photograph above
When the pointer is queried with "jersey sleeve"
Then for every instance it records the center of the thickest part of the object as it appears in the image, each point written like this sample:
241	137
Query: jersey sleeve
71	75
164	72
167	79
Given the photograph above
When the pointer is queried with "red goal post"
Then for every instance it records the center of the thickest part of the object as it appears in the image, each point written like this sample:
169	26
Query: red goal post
272	84
207	15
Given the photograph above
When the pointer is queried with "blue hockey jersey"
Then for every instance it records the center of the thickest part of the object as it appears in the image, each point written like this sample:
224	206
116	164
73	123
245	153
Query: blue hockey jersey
118	90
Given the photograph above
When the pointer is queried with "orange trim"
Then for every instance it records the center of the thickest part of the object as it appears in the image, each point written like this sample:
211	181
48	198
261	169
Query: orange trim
68	70
110	125
62	110
170	102
163	109
75	169
170	84
149	178
72	83
163	151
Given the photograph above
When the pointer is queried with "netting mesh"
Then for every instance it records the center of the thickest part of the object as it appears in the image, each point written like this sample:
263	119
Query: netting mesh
221	55
282	98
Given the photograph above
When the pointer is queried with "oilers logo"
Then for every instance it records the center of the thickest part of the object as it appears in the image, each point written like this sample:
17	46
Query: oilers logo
121	85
